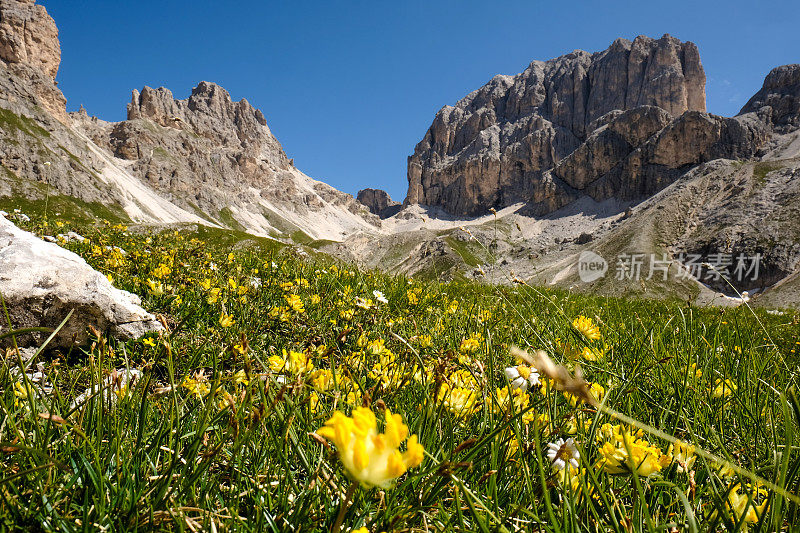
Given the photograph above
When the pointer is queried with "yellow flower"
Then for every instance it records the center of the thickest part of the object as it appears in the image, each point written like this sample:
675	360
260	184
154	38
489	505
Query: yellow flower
20	392
586	327
197	385
314	299
460	401
295	303
280	313
471	345
425	341
205	284
225	321
377	347
632	455
313	401
744	507
322	379
156	287
723	388
225	400
593	354
292	362
683	454
213	297
374	459
149	342
513	401
240	378
162	271
413	299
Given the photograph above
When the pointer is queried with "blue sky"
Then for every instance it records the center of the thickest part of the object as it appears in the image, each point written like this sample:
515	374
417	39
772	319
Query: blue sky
350	87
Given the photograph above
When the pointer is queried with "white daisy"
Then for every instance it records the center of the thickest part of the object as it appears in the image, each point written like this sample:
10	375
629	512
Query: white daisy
380	297
522	376
561	452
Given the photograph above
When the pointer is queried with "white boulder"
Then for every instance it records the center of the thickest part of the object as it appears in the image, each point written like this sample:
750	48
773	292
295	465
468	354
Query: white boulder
42	282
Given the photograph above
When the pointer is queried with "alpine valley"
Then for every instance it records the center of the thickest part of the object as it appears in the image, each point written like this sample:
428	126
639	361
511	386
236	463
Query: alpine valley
611	152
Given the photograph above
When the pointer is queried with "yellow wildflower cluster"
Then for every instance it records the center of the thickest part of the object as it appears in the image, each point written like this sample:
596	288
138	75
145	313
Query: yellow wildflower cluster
586	327
625	453
292	363
371	458
197	384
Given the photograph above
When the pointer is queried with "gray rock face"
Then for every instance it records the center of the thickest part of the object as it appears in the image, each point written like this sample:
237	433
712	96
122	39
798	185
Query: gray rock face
495	146
42	282
28	35
641	151
378	202
212	154
778	101
29	49
203	159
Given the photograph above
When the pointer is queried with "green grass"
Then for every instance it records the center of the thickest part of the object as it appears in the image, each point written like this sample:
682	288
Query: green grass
226	217
163	458
62	207
469	253
761	169
11	122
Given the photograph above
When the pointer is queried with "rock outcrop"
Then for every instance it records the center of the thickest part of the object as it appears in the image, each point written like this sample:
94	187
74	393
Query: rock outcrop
494	147
29	48
378	202
778	101
205	159
42	282
212	155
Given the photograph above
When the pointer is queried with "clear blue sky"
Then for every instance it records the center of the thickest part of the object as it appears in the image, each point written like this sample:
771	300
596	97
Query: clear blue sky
349	88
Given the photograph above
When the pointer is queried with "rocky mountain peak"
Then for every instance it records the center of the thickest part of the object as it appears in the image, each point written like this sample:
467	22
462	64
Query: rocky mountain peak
29	35
211	113
378	202
778	101
30	50
494	147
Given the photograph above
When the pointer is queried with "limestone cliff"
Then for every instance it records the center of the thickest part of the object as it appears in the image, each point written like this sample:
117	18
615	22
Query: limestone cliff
204	159
29	49
778	101
493	148
215	156
378	202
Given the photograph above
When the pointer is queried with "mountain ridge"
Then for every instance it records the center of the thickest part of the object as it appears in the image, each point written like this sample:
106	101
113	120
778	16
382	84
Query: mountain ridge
204	159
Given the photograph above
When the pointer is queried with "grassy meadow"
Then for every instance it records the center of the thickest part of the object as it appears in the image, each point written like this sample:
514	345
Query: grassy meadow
230	424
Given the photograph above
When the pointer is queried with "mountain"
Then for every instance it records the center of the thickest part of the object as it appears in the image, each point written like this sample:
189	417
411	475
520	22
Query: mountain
610	154
378	202
639	183
205	159
612	124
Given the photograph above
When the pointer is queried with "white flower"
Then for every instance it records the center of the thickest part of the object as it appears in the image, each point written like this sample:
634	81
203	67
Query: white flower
561	452
380	297
522	376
